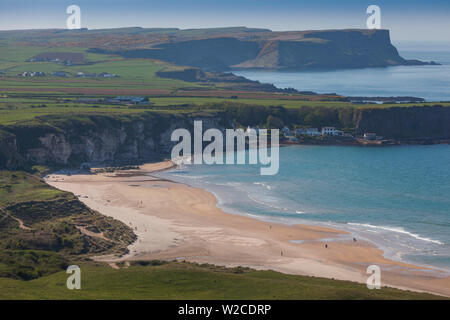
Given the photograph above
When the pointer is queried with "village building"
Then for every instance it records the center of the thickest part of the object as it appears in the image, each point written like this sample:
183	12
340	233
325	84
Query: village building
370	136
286	131
252	128
32	74
307	131
128	100
331	131
59	74
108	75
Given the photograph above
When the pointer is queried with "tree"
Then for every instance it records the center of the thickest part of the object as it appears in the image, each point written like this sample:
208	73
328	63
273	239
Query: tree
274	122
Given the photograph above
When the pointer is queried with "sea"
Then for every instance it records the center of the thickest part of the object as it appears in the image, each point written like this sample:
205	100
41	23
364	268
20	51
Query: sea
429	82
397	197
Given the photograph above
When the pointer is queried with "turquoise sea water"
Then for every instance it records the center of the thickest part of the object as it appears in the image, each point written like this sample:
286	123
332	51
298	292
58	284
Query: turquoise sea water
429	82
397	197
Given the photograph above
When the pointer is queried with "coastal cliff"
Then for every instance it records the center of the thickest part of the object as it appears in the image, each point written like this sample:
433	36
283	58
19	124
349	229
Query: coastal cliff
329	49
71	142
223	49
62	141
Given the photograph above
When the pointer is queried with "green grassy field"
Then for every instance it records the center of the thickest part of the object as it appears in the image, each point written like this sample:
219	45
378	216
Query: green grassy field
21	107
17	186
133	73
24	99
178	280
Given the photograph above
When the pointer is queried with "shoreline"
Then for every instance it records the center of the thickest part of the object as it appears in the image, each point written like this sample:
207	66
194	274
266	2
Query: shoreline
366	143
175	221
344	228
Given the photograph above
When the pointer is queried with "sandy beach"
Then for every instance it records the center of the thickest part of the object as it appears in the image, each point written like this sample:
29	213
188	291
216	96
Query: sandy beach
177	221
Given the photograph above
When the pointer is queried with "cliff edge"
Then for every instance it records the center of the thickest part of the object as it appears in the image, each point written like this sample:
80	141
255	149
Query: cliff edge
328	49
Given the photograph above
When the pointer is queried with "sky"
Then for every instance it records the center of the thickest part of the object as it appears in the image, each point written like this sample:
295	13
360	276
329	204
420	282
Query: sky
413	20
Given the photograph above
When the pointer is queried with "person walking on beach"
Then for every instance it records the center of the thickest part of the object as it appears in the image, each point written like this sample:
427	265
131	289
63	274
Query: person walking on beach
326	246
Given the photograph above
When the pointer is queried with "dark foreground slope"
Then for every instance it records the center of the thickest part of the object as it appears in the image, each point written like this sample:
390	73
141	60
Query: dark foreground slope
179	280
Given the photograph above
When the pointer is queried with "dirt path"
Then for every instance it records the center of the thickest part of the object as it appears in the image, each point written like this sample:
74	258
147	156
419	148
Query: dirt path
21	224
93	234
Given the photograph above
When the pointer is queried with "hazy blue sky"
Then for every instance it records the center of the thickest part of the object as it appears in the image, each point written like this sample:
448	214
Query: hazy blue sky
407	20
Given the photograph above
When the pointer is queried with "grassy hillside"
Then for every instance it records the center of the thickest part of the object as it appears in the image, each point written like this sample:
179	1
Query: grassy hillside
42	228
178	280
16	107
138	73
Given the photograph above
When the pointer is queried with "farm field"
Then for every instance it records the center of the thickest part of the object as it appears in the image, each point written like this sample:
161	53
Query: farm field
25	98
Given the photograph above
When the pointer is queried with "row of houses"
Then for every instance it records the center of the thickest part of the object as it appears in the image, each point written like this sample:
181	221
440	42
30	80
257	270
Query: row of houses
32	74
325	131
330	131
96	75
56	60
125	100
291	134
128	100
65	74
42	74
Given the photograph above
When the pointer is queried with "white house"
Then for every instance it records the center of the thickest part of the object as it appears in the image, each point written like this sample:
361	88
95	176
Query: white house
370	136
249	129
331	131
286	131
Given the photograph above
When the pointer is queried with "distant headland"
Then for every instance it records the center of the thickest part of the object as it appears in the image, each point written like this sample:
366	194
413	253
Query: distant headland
224	49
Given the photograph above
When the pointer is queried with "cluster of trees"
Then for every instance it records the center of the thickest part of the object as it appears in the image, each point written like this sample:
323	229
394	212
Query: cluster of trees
278	116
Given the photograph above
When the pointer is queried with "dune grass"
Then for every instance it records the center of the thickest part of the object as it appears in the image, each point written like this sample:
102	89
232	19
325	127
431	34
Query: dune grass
17	186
